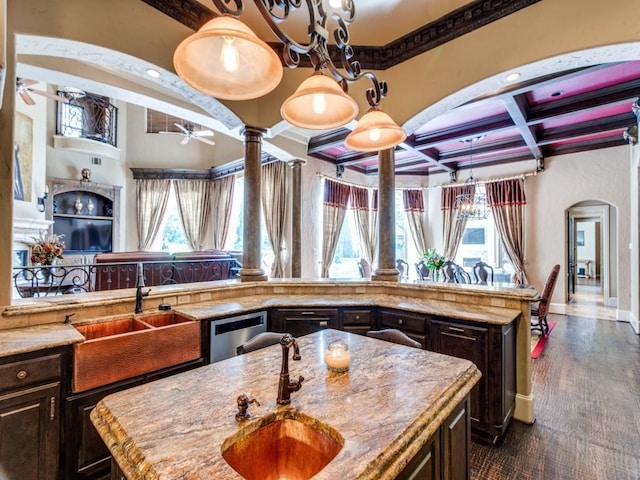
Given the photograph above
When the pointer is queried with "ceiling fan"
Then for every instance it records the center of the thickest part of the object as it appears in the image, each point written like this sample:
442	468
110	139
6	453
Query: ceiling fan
23	88
189	132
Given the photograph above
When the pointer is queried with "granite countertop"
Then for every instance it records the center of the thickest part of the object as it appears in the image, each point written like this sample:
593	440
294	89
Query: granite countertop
29	339
386	407
461	311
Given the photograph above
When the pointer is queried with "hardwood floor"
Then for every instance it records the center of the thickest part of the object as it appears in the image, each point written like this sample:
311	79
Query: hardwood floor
586	387
588	301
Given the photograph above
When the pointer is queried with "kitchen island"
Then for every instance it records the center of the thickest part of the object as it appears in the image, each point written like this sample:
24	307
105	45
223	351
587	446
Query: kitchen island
395	403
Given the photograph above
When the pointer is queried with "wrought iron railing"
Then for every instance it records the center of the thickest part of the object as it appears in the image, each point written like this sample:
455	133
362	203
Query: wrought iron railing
42	281
89	116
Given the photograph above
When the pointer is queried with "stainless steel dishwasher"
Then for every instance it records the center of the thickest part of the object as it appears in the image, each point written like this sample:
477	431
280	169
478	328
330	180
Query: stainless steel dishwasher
230	332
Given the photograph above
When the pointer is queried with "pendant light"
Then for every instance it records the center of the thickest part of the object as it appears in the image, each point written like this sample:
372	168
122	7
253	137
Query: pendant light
375	131
319	103
225	59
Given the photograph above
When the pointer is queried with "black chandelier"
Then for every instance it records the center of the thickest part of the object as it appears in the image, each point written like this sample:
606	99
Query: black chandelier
226	60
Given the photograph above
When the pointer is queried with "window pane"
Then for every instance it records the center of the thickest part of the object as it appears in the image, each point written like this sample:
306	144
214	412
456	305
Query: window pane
170	237
348	250
234	237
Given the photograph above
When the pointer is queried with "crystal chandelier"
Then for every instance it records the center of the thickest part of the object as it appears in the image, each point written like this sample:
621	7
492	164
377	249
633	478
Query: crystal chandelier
225	59
471	204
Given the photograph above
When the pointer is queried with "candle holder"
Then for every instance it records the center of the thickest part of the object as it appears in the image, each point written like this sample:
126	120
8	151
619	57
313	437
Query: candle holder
337	357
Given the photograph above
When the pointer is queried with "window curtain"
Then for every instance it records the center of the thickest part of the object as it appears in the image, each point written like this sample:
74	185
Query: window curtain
274	208
453	228
413	201
194	206
336	196
221	192
507	200
151	203
365	215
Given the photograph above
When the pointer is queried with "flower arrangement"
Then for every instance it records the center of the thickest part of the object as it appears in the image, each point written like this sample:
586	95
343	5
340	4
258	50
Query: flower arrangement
46	249
433	260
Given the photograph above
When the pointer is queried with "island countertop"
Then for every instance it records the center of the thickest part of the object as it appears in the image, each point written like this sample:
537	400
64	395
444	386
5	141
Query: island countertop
386	407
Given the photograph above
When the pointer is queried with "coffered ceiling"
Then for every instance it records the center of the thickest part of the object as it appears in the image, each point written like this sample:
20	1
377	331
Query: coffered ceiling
568	112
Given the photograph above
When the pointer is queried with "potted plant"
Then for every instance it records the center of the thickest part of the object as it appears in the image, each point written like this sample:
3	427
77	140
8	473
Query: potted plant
434	262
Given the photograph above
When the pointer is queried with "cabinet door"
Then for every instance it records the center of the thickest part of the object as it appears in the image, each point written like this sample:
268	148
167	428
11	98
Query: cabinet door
30	433
468	342
426	464
456	437
86	454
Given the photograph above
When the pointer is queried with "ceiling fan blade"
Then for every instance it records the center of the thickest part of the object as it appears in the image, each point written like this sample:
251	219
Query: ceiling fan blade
185	140
205	140
58	98
171	133
203	133
26	98
182	128
26	82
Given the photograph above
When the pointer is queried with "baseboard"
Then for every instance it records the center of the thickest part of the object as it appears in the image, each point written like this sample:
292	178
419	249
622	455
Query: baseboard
524	409
623	315
558	308
635	324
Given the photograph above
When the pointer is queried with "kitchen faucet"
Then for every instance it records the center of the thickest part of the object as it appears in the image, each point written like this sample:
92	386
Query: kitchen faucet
285	387
139	285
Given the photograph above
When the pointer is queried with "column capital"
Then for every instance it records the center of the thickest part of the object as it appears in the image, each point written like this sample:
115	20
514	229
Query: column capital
253	133
296	162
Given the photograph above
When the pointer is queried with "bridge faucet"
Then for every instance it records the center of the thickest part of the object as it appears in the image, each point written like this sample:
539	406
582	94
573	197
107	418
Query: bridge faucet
139	285
285	387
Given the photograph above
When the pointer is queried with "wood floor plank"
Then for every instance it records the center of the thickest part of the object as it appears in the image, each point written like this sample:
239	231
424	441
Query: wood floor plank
586	387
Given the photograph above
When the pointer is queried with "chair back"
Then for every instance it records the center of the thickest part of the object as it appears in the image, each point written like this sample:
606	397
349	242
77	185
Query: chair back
483	273
423	271
454	273
395	336
547	291
261	340
364	267
403	268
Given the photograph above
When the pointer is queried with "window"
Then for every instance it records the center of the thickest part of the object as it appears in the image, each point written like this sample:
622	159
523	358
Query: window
345	260
473	236
480	242
170	237
87	116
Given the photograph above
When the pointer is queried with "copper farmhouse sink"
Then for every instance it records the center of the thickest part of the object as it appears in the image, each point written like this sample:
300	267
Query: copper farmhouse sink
127	347
286	444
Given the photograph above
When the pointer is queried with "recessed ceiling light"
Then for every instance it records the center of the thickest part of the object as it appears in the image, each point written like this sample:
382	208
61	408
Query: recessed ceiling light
153	73
558	93
512	77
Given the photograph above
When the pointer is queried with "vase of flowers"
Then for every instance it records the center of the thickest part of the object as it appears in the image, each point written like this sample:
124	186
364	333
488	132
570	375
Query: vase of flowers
434	262
45	251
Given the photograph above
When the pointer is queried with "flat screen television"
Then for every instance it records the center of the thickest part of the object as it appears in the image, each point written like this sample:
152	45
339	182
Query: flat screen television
84	234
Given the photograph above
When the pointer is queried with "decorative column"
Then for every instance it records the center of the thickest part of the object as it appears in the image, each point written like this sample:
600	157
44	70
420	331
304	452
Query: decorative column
296	218
251	270
386	270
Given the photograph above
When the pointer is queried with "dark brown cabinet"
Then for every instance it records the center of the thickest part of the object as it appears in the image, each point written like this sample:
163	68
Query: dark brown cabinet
302	321
413	324
493	350
86	455
30	392
357	320
446	455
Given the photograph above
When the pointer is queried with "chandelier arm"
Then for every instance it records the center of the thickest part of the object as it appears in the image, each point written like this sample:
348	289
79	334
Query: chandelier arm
225	9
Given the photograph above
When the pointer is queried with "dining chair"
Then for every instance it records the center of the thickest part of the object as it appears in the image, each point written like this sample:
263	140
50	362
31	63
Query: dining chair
423	271
541	310
483	273
395	336
403	268
261	340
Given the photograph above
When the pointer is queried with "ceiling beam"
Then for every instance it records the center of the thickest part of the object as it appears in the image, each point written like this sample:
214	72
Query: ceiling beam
517	107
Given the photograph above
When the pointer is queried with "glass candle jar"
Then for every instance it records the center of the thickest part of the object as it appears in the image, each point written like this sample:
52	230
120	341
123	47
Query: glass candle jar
337	357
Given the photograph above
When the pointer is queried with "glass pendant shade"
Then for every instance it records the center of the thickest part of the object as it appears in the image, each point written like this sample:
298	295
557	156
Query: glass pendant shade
319	103
375	131
225	59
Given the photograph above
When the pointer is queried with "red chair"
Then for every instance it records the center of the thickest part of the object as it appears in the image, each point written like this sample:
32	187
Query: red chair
540	311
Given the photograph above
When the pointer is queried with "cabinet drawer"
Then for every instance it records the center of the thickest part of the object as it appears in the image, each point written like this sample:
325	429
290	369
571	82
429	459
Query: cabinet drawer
28	372
356	317
403	321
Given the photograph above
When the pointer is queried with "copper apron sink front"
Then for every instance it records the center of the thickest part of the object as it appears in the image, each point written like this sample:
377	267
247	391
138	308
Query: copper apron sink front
286	444
128	347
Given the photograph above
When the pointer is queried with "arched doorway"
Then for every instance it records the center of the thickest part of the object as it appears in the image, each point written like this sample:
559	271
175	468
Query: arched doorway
592	275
